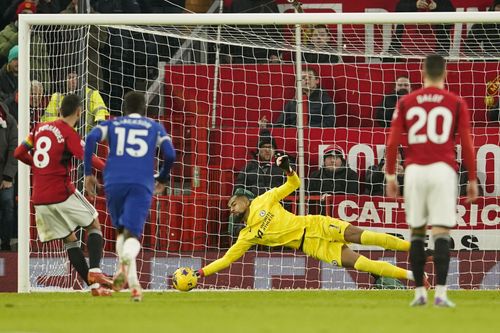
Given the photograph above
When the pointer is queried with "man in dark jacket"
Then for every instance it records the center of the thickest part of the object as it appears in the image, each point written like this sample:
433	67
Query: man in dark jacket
318	108
8	171
384	112
261	174
9	82
335	176
375	176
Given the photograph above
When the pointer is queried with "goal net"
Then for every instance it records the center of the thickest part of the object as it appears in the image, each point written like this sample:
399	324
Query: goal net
225	88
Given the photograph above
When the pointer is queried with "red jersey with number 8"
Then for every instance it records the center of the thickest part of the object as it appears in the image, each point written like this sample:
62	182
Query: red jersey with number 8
53	145
432	117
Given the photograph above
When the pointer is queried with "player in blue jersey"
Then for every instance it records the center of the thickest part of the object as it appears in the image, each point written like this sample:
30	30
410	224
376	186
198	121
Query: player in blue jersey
129	180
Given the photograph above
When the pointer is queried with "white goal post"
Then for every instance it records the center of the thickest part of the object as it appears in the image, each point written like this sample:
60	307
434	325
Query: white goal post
132	21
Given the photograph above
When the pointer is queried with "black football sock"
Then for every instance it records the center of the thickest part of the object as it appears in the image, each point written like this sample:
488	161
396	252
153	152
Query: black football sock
77	260
95	243
441	257
417	259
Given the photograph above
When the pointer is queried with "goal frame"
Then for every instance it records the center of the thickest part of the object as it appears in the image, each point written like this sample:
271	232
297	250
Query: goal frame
26	21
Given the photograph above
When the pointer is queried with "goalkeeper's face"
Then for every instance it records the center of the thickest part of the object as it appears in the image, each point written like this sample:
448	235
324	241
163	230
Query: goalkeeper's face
238	206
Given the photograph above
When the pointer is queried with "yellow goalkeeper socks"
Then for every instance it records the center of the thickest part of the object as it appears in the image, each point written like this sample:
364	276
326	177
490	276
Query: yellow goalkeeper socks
384	240
380	268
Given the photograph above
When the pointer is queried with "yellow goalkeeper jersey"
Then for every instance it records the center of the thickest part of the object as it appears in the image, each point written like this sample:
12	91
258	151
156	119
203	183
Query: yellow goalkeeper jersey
268	223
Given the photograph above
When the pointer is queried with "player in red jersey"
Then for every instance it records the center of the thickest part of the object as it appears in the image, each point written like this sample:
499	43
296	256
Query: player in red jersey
60	209
431	116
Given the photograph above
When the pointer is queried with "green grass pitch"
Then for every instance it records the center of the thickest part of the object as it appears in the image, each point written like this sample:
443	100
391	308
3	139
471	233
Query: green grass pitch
240	311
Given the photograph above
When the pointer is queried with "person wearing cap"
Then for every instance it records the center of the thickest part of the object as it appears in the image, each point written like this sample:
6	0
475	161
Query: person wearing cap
9	81
321	237
375	176
9	35
334	176
261	174
8	171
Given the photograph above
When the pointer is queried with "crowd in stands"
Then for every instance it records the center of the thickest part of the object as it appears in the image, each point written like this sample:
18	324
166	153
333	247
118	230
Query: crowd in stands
130	62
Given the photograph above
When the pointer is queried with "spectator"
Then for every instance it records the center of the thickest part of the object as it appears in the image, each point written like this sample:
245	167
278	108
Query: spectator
463	180
494	112
375	176
484	39
383	113
250	55
38	101
321	42
335	176
9	81
318	108
96	109
97	38
8	171
441	31
261	174
9	35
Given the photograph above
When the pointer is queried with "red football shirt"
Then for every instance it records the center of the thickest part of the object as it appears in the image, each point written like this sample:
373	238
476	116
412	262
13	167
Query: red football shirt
53	146
431	117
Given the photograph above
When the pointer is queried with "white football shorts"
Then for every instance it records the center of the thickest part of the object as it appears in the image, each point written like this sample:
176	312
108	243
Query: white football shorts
430	193
57	221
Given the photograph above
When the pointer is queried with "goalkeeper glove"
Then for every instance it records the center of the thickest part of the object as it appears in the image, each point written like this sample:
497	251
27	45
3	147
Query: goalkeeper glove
199	273
284	163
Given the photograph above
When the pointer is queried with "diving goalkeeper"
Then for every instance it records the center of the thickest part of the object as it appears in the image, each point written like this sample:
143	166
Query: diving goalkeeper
321	237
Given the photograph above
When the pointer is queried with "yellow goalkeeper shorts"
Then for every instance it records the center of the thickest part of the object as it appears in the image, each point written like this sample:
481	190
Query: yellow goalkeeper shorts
324	239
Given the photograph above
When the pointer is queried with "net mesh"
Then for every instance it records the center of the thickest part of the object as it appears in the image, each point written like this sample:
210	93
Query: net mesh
220	93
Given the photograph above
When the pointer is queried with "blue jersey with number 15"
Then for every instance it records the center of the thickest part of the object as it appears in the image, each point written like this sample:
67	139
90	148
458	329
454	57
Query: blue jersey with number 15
132	144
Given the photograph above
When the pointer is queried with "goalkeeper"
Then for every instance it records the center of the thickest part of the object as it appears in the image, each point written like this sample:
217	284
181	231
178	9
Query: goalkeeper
321	237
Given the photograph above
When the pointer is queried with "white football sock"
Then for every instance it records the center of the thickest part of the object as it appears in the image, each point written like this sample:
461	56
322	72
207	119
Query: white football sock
440	292
133	280
131	249
120	239
420	292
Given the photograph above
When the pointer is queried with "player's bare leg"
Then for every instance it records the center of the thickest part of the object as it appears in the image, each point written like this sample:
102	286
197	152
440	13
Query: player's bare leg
417	261
357	235
95	244
441	237
351	259
77	260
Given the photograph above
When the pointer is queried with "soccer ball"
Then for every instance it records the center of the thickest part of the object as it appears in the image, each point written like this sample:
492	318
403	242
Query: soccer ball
184	279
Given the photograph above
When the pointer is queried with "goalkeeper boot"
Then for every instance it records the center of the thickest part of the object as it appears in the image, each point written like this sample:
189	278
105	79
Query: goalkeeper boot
120	278
100	291
136	294
99	277
443	303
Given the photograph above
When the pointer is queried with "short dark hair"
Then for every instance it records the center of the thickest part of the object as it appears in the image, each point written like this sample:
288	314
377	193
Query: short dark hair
135	102
434	66
70	105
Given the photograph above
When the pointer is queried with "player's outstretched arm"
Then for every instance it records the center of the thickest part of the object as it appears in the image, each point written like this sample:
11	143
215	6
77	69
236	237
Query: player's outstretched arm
234	253
292	183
